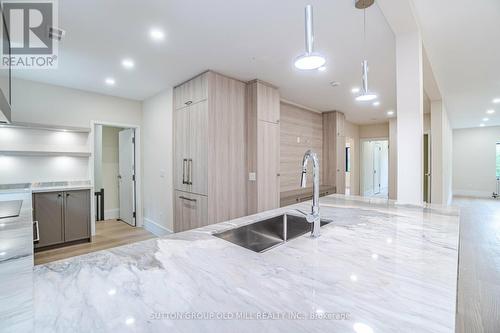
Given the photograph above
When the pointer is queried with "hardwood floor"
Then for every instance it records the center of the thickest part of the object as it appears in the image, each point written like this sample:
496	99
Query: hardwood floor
110	233
479	266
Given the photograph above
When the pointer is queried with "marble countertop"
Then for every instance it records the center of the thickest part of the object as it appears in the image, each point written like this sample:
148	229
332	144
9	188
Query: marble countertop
61	186
377	268
16	264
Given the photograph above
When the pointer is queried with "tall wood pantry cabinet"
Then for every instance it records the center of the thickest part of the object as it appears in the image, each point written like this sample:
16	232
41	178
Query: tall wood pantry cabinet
209	151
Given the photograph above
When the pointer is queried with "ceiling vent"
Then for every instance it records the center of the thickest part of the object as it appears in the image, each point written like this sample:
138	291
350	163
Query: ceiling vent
56	33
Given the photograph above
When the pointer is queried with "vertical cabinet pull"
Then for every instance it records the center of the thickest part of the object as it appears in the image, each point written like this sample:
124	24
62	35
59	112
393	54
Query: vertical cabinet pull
190	171
184	171
36	232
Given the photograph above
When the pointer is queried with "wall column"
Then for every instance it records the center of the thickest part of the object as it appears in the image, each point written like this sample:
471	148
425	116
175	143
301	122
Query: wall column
410	118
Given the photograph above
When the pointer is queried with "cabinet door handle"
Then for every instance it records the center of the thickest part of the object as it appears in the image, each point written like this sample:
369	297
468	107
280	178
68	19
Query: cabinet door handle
188	199
59	195
189	102
36	238
190	171
184	171
67	195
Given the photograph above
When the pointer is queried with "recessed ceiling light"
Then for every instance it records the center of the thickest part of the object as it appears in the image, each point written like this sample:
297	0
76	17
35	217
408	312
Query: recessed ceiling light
390	113
481	125
486	119
157	34
110	81
322	69
130	321
377	103
355	90
496	100
490	111
128	63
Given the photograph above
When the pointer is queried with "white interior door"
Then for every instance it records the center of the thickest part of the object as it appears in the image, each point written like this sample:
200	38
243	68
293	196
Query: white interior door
376	168
126	176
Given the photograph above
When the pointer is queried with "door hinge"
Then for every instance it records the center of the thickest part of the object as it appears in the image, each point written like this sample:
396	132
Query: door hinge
133	140
133	215
133	178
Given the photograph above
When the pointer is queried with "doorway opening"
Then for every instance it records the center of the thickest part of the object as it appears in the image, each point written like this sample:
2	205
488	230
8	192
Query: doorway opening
375	168
348	166
115	174
427	168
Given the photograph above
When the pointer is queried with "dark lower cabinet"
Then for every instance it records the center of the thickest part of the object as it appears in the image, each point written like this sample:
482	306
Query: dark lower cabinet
62	217
76	215
48	211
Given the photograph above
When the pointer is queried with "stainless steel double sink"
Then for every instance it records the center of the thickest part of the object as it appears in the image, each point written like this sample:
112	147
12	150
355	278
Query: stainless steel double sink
266	234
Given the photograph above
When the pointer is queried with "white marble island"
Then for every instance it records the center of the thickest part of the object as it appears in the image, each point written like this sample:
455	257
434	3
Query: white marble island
376	268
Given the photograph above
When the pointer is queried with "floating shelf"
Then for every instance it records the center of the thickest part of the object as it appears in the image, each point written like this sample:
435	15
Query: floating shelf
44	127
44	153
45	150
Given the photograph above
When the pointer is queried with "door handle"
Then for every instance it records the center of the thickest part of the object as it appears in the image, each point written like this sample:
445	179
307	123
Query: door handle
184	171
189	102
36	231
190	172
188	199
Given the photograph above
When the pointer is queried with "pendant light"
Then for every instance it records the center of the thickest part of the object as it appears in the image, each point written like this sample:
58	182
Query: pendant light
309	60
365	95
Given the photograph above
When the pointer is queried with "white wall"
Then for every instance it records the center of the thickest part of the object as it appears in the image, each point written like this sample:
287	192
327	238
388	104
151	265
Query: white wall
27	169
447	192
98	157
375	131
474	161
352	134
48	104
158	162
393	159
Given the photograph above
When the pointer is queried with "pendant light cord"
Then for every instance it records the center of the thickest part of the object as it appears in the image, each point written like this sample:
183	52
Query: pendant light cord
364	33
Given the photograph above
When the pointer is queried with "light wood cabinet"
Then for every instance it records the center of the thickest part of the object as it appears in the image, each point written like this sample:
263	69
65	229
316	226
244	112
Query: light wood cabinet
209	149
182	148
268	102
191	211
268	165
191	147
334	143
263	146
198	148
191	92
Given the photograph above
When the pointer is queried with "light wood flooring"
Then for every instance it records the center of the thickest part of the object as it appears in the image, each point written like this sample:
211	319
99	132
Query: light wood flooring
479	266
110	233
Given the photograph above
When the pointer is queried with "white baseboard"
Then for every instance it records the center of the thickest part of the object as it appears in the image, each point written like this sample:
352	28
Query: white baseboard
155	228
111	214
475	194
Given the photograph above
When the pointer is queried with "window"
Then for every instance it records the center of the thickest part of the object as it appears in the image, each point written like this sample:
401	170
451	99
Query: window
498	160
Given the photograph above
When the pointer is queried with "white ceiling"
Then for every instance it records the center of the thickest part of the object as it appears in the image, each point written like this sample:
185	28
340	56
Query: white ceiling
462	39
241	38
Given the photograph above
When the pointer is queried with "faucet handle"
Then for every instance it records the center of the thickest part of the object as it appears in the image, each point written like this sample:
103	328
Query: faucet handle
309	217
